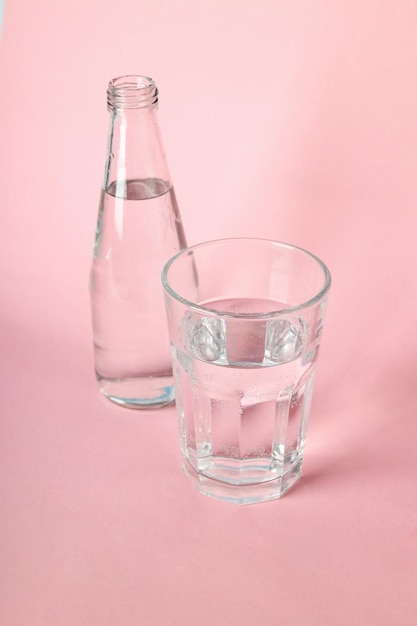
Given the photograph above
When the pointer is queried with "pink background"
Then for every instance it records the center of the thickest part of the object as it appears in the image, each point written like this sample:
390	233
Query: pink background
291	120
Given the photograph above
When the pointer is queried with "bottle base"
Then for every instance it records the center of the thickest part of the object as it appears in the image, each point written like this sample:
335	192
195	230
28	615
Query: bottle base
153	392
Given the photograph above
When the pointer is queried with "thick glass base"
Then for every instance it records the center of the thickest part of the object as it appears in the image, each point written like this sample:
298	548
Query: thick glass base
238	493
153	392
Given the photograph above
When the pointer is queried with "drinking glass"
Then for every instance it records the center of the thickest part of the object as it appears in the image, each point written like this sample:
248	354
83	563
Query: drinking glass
245	319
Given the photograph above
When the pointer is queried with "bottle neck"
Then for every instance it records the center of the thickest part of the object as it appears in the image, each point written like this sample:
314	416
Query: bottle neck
128	93
135	149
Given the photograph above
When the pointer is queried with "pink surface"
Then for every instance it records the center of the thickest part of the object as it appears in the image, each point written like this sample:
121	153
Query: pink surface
291	120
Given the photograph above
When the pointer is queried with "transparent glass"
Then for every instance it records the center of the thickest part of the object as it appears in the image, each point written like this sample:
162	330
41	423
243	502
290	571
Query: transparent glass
245	320
138	229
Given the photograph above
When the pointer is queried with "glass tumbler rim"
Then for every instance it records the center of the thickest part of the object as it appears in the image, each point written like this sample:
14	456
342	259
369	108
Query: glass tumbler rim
253	315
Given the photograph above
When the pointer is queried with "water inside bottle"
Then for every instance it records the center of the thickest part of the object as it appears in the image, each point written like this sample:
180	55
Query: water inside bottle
138	229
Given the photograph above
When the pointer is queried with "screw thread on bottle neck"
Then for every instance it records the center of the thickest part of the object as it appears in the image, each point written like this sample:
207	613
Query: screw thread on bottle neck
131	92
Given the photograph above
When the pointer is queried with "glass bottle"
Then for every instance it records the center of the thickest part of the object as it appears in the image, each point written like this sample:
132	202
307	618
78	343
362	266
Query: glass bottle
138	229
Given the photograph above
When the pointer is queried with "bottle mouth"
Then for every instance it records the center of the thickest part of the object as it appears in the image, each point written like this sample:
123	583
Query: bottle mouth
131	92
